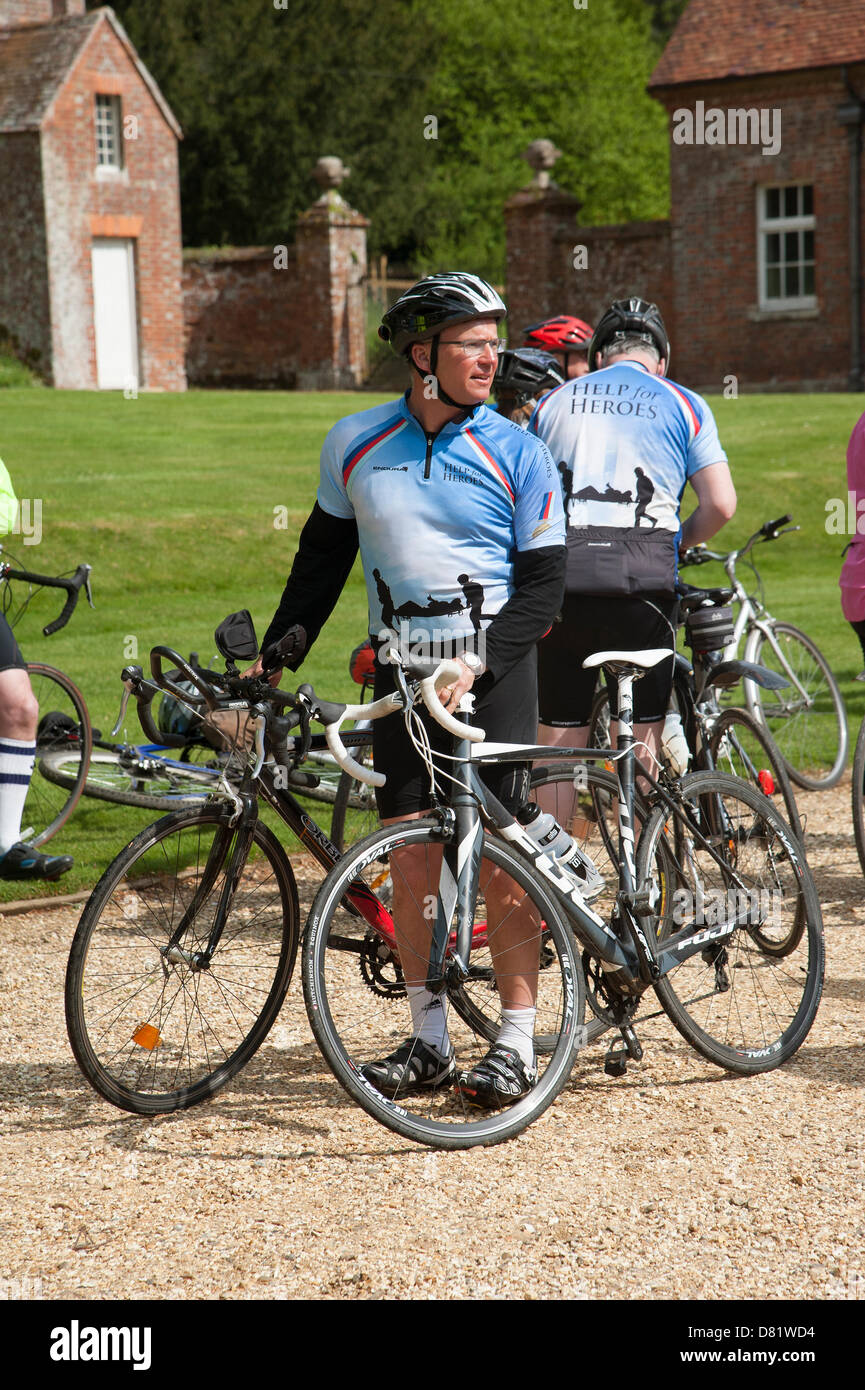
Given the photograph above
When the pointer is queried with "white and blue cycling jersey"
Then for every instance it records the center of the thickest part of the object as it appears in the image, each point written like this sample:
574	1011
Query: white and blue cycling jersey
625	444
440	517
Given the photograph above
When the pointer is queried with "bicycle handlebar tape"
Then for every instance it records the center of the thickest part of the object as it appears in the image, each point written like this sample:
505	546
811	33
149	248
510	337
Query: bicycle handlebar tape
63	619
447	671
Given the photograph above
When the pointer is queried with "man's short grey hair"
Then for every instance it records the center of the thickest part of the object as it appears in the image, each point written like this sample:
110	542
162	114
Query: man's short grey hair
632	343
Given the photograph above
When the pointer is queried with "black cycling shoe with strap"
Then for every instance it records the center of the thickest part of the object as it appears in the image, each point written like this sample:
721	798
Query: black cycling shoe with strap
24	862
413	1067
498	1080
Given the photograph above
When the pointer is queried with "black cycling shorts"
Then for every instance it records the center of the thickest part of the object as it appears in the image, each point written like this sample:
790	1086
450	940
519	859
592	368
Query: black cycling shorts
589	624
10	654
506	711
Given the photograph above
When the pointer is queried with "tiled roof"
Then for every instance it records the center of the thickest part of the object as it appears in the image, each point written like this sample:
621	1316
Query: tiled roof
36	59
737	38
34	62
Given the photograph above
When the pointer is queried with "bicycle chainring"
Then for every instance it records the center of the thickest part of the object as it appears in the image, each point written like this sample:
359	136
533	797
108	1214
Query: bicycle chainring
380	971
605	1002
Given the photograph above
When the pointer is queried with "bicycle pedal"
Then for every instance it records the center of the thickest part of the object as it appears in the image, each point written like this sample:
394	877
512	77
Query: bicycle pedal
616	1061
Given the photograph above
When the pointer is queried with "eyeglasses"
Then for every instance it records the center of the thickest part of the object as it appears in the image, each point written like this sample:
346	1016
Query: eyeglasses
475	347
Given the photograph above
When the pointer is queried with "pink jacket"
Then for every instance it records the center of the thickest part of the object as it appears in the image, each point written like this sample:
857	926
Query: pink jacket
852	579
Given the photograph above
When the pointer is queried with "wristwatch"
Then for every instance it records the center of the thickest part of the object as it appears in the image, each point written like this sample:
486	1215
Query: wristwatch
474	663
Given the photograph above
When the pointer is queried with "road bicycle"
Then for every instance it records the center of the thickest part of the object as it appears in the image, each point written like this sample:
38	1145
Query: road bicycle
807	719
64	723
146	775
698	916
727	739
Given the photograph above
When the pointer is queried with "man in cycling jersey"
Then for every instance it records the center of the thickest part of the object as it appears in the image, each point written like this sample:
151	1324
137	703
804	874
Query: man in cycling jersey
458	516
19	713
567	338
630	439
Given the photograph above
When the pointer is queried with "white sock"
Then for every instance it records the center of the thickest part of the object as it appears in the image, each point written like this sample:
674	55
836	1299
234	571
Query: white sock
518	1033
429	1017
17	757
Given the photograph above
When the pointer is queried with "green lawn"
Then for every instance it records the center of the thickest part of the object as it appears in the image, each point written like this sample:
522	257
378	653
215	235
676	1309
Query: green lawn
189	506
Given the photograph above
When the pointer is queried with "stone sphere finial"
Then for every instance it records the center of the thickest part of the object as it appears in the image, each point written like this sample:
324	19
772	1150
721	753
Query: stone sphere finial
541	156
329	172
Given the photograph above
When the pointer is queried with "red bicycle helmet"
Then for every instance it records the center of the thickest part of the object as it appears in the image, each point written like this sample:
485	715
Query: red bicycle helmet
562	333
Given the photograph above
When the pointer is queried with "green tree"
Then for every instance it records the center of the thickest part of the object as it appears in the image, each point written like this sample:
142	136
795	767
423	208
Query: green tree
536	69
429	104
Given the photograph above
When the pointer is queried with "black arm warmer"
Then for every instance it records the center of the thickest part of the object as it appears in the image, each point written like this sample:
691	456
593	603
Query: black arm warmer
539	586
325	555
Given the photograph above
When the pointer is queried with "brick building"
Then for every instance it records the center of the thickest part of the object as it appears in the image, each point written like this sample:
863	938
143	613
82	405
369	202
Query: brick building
759	269
90	265
766	105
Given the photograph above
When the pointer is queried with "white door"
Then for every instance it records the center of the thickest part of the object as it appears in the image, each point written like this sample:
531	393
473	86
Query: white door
114	315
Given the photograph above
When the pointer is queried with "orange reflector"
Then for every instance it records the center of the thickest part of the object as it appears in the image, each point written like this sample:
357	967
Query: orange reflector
767	782
146	1036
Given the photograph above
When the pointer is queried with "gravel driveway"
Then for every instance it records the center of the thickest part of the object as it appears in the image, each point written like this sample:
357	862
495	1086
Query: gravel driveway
676	1181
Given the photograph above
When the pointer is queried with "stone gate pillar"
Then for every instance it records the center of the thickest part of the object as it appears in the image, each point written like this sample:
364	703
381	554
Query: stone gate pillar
331	270
540	227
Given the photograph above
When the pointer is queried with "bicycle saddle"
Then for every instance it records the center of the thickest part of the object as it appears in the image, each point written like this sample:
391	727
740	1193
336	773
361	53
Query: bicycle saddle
618	661
691	597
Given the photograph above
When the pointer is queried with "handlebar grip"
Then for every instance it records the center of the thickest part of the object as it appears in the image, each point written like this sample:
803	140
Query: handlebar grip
194	677
346	761
768	527
63	619
447	671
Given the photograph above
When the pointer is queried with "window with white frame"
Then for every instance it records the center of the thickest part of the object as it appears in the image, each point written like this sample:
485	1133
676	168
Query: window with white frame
785	234
109	145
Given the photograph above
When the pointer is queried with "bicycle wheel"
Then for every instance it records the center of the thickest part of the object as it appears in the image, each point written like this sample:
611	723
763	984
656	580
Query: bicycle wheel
154	1034
741	747
859	795
357	1017
806	718
355	814
63	727
133	778
747	1003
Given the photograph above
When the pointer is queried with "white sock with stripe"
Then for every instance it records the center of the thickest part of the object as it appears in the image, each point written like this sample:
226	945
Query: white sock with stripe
16	767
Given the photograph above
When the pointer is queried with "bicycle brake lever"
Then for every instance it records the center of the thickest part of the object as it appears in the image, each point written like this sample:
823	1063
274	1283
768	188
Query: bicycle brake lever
124	701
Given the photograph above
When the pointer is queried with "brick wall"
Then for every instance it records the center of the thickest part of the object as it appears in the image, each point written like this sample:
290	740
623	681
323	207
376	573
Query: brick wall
37	11
241	322
720	330
554	266
290	316
141	201
24	308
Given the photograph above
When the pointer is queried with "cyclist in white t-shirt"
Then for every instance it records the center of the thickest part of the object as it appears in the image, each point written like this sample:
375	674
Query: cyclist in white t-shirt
626	441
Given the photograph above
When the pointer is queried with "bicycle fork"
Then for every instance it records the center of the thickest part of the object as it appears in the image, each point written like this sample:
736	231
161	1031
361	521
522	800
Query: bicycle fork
216	861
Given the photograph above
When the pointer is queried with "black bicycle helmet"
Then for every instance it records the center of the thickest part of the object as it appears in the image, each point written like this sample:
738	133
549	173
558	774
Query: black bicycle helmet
525	373
437	302
630	318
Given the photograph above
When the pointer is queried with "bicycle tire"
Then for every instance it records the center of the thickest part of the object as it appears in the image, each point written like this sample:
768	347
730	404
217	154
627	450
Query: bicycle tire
742	747
48	807
355	814
743	1007
815	757
116	776
154	1036
859	795
354	1023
